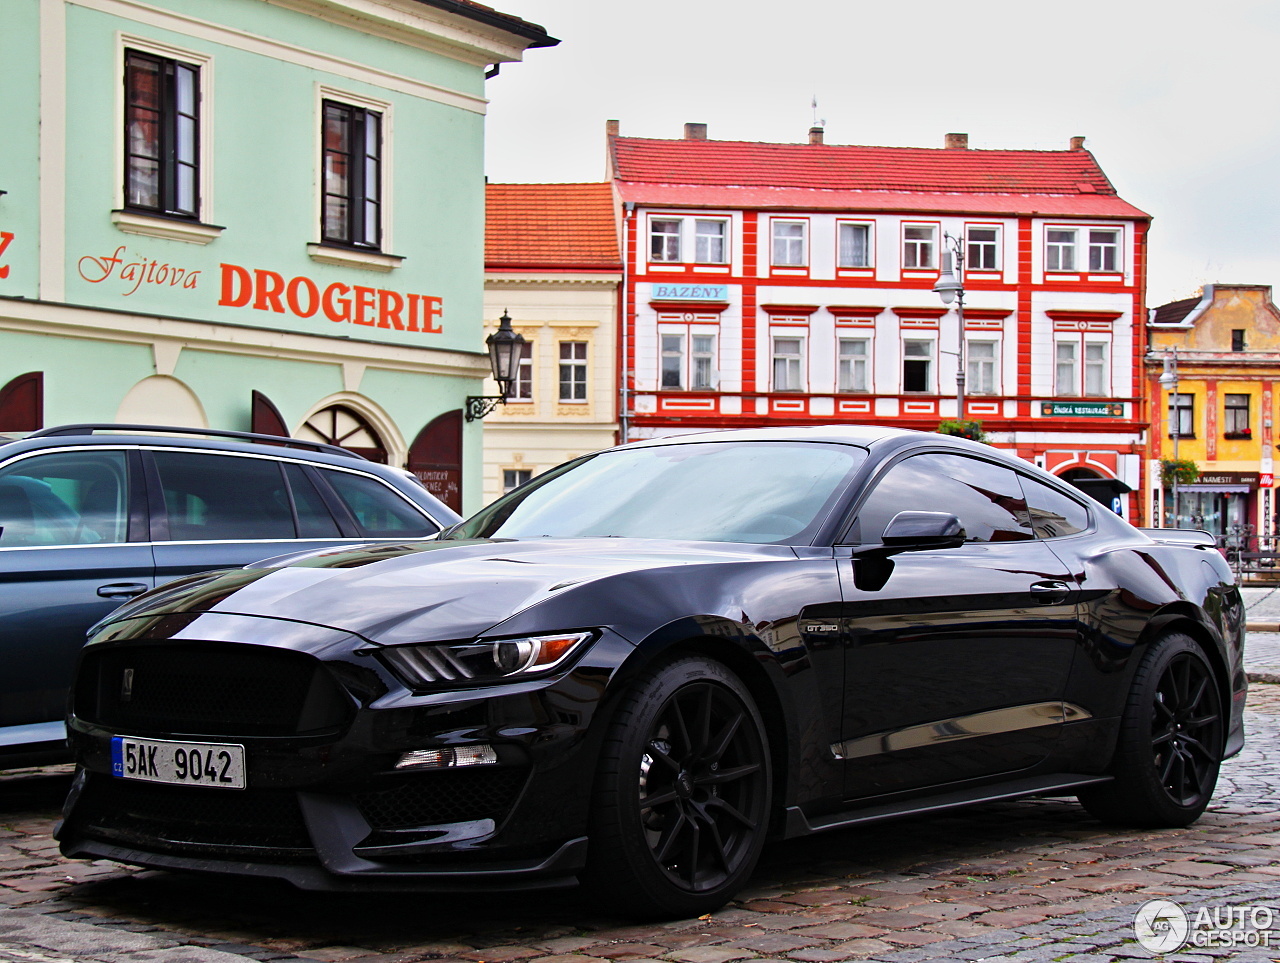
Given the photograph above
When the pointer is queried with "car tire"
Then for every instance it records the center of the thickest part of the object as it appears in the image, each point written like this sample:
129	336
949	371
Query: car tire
682	794
1170	743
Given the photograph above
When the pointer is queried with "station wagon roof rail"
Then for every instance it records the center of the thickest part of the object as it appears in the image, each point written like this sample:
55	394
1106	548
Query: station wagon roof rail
281	440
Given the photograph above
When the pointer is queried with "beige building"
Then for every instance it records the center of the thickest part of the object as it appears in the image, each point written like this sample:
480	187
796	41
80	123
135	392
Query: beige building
552	264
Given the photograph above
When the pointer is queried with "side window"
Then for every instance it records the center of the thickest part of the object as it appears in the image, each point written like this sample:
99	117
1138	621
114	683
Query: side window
210	496
314	519
378	510
65	498
1052	513
985	497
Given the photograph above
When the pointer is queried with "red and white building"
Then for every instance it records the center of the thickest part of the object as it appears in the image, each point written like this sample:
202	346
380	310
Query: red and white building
792	283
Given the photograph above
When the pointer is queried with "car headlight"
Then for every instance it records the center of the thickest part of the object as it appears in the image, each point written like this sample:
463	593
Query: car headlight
482	660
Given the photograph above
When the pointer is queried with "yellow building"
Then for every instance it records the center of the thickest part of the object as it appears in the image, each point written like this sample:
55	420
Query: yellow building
552	264
1212	370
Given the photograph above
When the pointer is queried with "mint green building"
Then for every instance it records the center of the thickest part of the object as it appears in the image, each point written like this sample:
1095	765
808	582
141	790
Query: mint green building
251	215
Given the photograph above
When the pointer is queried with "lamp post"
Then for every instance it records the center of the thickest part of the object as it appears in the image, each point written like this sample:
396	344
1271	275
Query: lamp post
950	287
504	360
1169	381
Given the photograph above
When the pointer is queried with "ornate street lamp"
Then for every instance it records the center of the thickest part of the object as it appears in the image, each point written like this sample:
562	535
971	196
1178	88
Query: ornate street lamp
950	287
504	360
1169	381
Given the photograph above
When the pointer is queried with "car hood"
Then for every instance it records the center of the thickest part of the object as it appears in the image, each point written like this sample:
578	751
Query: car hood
436	591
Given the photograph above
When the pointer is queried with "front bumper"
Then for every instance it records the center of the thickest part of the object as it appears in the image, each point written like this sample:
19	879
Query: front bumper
326	809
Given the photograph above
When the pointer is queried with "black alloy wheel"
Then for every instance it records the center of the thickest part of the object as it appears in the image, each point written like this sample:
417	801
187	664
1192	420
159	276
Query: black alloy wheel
1171	740
682	799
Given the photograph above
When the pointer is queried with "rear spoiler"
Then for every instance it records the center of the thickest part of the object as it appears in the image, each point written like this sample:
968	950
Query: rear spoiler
1186	537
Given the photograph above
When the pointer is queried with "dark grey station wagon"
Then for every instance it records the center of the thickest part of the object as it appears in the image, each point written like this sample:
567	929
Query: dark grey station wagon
93	515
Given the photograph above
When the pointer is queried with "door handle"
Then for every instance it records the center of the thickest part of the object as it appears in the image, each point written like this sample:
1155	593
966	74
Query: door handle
122	590
1050	592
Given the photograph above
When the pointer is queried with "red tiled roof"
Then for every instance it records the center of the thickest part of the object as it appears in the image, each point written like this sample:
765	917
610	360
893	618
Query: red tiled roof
560	226
889	178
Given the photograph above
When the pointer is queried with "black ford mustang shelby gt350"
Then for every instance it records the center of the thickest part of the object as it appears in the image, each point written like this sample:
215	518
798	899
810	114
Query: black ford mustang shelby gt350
636	668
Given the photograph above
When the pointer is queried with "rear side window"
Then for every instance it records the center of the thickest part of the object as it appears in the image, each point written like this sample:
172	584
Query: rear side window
377	509
1053	514
314	520
985	497
208	496
65	498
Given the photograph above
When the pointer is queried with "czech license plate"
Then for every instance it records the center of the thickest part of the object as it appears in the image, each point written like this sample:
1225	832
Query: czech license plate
175	763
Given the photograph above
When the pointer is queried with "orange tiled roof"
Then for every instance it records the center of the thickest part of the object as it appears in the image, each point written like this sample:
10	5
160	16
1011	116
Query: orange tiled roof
560	226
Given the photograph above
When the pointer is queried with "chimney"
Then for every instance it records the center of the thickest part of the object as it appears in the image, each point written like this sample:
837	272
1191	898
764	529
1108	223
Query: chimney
1077	143
957	142
695	131
611	128
815	135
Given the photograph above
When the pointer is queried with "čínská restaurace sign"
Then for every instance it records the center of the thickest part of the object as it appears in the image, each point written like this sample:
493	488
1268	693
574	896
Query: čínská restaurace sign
690	292
1081	409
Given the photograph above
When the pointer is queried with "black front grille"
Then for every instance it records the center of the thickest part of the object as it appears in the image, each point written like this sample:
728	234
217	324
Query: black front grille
257	823
208	688
428	798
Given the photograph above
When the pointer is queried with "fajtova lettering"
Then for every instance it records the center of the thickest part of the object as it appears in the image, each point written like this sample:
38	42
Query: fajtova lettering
136	273
340	303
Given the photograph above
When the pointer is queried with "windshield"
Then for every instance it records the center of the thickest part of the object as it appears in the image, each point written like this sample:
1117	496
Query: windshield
717	492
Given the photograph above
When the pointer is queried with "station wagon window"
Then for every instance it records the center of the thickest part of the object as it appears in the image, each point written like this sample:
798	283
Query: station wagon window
314	519
65	498
1053	514
209	496
377	509
985	497
161	135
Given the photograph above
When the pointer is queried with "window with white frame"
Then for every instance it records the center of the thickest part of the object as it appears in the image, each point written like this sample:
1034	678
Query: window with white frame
1104	250
1097	381
854	245
789	244
710	241
1066	364
981	359
983	249
1068	370
573	371
522	390
917	365
788	363
1060	249
854	358
688	361
919	244
513	478
668	240
664	239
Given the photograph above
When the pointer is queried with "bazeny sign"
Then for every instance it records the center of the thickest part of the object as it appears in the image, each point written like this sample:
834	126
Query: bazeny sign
350	303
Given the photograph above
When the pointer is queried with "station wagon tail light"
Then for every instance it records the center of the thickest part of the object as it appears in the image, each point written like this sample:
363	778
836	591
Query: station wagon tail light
482	660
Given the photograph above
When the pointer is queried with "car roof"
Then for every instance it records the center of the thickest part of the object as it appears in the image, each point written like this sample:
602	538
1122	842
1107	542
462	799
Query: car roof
179	437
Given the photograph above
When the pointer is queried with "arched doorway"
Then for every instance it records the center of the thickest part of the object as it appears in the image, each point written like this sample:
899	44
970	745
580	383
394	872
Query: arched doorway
435	457
346	428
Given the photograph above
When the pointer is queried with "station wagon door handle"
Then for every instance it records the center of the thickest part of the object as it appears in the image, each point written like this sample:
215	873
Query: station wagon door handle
122	590
1050	592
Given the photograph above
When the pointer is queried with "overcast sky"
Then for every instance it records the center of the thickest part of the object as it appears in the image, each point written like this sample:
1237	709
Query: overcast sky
1178	100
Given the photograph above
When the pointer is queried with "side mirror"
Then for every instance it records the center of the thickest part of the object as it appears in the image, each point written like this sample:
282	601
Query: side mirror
922	530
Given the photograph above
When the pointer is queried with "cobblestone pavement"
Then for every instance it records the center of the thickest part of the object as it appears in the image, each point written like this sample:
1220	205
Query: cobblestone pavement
1017	882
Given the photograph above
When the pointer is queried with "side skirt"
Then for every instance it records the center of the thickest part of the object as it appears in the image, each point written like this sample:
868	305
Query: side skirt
798	824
